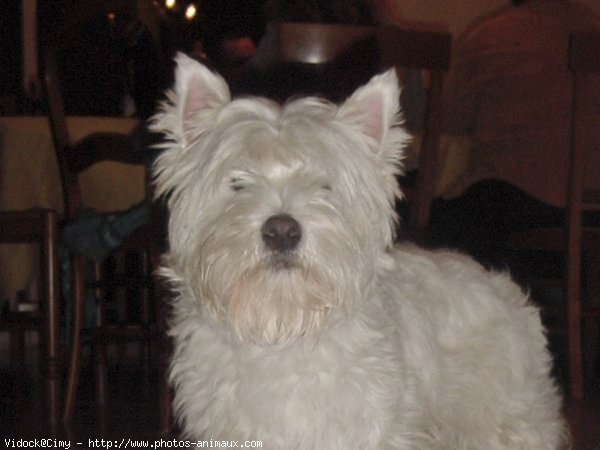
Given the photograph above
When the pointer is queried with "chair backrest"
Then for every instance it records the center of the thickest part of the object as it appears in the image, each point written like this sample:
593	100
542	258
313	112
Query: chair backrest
74	157
415	49
584	63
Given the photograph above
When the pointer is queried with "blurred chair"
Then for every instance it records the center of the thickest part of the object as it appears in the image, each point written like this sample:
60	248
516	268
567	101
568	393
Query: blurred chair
40	227
138	232
348	55
575	239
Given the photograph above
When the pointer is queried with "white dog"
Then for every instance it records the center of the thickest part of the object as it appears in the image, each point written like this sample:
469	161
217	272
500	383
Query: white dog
296	322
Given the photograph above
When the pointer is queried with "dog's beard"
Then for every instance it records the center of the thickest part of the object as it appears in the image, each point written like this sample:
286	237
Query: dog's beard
276	301
268	297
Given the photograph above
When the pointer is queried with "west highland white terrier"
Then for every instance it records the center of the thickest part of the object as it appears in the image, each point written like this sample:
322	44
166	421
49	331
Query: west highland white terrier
295	320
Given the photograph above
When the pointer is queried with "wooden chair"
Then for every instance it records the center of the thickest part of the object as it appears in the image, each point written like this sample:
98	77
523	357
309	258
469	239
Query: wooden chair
39	226
146	242
342	50
574	239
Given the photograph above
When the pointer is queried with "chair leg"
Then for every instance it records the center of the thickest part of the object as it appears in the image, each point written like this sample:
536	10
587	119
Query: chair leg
164	351
101	373
574	328
591	315
165	394
575	354
78	317
51	346
17	348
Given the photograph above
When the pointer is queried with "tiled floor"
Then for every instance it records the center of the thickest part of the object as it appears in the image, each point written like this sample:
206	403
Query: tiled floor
133	410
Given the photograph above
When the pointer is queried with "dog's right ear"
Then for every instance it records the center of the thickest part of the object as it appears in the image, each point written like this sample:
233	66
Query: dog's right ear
190	110
197	95
198	91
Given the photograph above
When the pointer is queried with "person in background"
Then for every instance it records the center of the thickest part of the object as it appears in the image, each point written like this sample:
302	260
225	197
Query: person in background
509	89
257	72
229	33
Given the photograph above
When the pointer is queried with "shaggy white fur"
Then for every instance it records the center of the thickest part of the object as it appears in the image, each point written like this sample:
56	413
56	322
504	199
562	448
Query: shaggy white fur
296	322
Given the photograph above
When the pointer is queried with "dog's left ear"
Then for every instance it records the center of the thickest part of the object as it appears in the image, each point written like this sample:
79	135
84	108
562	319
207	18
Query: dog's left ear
375	109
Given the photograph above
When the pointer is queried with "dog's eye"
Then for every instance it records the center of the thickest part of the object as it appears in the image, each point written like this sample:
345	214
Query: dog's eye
240	180
236	184
326	187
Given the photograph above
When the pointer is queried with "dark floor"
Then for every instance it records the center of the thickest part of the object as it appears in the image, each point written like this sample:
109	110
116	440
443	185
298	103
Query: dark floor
133	409
131	413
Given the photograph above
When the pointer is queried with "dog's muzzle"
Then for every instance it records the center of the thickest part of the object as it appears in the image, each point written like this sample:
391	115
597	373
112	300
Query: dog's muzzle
281	233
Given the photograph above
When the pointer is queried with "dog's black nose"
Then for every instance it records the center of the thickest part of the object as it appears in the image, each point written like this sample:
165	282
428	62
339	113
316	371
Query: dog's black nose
281	233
